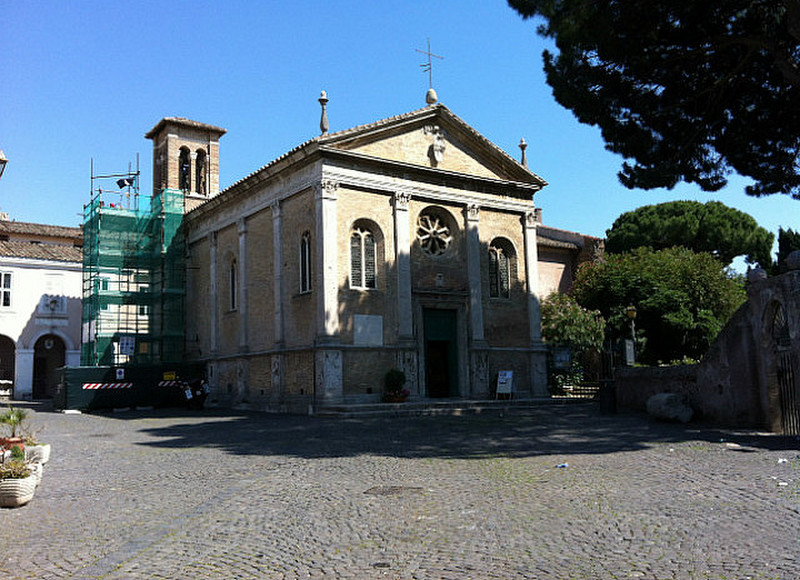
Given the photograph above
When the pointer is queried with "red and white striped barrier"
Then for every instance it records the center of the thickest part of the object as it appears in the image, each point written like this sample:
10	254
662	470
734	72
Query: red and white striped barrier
97	386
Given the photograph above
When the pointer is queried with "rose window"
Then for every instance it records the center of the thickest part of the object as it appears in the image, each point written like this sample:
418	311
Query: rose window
433	234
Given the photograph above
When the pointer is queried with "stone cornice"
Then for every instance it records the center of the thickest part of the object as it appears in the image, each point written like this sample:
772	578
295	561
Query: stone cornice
434	175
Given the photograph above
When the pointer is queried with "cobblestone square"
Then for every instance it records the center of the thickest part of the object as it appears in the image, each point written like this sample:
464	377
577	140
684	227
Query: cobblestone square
553	492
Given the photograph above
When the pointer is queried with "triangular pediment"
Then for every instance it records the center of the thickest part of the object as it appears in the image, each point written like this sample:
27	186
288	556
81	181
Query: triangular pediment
432	137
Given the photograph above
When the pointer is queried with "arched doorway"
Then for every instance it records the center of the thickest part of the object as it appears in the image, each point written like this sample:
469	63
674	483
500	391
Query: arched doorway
8	357
48	356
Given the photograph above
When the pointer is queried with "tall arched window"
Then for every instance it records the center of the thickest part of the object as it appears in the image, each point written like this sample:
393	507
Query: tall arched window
362	258
184	169
200	172
233	277
305	262
502	268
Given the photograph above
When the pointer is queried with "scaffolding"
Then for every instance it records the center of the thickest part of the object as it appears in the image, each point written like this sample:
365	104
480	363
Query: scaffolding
133	274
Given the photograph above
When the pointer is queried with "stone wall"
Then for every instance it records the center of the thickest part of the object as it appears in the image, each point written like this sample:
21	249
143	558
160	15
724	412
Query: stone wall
735	384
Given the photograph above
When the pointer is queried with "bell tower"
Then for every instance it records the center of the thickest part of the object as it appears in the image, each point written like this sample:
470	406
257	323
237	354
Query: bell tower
186	159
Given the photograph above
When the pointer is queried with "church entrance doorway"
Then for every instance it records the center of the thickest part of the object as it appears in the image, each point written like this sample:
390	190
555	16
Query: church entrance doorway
441	352
48	356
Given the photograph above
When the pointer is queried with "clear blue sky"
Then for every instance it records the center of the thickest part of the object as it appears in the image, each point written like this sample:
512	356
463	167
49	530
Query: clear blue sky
87	79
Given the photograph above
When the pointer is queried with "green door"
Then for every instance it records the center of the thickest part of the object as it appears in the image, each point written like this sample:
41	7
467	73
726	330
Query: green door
441	352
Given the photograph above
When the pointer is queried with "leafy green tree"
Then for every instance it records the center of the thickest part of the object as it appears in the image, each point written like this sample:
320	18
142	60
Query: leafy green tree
788	242
682	298
567	323
689	91
711	227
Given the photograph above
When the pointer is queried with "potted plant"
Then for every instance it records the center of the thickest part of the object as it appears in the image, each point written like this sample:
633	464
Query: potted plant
393	391
35	450
13	419
17	482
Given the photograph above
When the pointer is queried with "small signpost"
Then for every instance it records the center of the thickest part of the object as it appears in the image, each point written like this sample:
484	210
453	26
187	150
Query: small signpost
630	354
505	384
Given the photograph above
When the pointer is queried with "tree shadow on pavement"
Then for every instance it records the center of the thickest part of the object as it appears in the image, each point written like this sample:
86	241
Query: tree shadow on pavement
546	431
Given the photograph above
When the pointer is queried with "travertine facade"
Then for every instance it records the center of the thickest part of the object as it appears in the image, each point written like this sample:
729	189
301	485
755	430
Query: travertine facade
408	243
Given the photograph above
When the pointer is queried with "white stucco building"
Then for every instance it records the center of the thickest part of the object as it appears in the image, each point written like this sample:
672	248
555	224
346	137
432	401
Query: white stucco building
40	306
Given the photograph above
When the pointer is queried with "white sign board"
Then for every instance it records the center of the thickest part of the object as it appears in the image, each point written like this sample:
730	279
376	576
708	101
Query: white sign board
505	382
630	355
127	345
367	330
120	374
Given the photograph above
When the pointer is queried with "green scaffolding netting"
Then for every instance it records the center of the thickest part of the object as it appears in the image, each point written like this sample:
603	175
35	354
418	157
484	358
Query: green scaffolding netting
133	282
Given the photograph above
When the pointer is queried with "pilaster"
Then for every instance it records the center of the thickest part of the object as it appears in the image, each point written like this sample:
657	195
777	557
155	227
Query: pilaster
327	357
277	271
538	357
242	274
402	232
213	329
326	279
474	273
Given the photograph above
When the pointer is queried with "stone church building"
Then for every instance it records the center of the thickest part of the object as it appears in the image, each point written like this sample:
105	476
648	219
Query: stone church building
412	243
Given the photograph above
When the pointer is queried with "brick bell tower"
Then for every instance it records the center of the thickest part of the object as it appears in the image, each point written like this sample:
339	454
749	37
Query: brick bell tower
186	159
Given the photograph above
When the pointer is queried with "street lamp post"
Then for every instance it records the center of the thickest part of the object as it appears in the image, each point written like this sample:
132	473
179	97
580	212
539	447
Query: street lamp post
630	312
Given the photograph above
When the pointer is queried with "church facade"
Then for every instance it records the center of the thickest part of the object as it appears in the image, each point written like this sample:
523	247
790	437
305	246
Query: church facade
409	243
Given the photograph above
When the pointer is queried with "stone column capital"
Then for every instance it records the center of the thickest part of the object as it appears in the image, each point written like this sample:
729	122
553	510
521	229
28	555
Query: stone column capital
401	199
326	189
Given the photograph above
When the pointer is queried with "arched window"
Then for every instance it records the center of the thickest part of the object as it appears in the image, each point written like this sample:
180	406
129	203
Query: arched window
233	277
362	258
305	262
502	268
184	169
200	172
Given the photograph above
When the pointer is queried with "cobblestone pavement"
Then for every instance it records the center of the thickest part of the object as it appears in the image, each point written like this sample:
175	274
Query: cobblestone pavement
554	492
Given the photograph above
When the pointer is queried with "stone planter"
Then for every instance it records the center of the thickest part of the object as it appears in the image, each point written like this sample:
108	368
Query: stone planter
37	469
40	453
17	492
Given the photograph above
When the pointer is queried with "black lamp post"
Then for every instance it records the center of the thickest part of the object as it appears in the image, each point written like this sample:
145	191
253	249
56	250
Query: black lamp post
630	312
3	162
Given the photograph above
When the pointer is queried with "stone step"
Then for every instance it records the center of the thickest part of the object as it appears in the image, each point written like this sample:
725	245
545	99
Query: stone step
449	407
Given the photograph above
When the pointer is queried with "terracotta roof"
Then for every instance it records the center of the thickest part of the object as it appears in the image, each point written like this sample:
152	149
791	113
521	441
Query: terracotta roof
186	123
333	138
29	229
57	252
551	243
